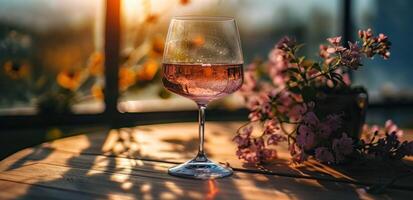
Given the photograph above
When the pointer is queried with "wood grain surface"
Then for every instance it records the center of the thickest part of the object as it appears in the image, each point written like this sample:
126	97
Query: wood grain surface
131	163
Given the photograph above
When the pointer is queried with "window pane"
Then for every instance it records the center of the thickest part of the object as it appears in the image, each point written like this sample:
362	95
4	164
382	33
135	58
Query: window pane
387	80
261	24
51	56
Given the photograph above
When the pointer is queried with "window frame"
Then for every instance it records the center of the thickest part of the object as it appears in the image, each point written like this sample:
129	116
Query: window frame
113	118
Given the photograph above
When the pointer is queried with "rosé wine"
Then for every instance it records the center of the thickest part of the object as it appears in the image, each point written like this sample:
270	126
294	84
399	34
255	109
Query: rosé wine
202	82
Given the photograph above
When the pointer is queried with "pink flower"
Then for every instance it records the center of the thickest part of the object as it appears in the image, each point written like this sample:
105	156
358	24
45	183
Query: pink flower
333	121
297	111
271	126
324	155
346	79
323	52
311	119
334	40
297	153
275	139
386	55
375	128
305	137
381	37
351	57
285	43
268	154
255	116
253	103
266	109
243	137
365	34
375	45
342	147
250	155
325	130
249	82
278	63
390	127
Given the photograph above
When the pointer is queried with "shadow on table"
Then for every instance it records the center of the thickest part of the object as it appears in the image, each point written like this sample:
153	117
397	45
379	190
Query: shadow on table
106	169
362	172
116	176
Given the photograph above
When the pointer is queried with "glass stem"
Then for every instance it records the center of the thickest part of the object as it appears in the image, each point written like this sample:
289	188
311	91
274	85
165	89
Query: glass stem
201	118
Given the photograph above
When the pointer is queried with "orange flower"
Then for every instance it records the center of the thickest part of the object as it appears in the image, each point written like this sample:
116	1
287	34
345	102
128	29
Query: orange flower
152	18
69	79
148	71
184	2
16	70
158	44
198	40
97	91
95	64
126	78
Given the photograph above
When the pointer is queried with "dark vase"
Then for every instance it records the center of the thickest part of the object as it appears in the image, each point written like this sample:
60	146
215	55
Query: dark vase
351	103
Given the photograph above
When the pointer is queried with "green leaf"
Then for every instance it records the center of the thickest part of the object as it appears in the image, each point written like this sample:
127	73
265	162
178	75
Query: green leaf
298	47
301	59
317	66
324	67
309	94
295	90
293	78
295	70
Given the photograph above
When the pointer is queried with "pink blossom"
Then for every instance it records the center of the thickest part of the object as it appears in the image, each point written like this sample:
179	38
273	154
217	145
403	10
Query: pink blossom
271	126
250	155
285	43
305	137
297	153
342	147
268	154
255	116
351	57
249	82
323	52
346	79
241	141
324	155
386	55
266	108
278	63
381	37
375	128
311	119
243	137
297	111
390	127
331	50
325	130
334	40
375	45
253	103
365	34
334	121
274	139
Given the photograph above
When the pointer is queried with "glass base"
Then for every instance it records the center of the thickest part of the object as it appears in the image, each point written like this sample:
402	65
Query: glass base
200	169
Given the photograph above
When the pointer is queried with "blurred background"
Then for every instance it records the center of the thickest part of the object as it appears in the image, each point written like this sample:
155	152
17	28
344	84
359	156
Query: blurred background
52	58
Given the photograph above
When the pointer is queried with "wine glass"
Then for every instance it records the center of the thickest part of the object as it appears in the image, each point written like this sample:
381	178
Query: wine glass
202	61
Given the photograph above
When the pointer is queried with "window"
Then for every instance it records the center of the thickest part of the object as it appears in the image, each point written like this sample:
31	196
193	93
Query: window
261	24
387	80
51	56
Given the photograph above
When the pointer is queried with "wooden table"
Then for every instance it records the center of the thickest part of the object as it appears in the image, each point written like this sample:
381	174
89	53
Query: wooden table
132	163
